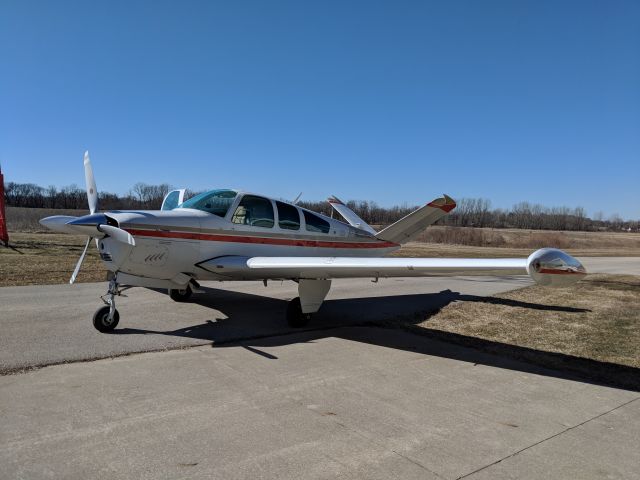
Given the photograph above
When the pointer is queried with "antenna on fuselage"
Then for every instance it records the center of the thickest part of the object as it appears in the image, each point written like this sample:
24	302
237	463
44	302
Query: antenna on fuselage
295	202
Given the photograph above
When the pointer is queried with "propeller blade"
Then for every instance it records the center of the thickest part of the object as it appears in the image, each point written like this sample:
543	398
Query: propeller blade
118	234
92	191
79	264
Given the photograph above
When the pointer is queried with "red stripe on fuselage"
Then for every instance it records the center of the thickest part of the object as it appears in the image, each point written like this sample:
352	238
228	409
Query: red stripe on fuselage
259	240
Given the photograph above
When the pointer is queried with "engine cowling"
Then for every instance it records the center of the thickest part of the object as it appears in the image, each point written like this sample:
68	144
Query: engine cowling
554	268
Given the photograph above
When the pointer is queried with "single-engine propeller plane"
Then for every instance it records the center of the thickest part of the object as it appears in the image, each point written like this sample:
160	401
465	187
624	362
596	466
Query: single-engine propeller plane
234	235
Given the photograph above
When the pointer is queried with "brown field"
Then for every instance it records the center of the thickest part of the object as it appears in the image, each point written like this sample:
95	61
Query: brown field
20	219
597	319
45	258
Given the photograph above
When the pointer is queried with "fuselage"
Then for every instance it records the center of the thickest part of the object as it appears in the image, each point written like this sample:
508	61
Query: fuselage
184	239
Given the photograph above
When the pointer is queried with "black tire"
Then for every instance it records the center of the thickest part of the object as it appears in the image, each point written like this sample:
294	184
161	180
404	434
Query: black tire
101	319
180	295
295	317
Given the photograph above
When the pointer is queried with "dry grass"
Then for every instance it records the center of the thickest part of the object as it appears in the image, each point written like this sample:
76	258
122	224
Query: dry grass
21	219
43	258
597	318
419	249
626	243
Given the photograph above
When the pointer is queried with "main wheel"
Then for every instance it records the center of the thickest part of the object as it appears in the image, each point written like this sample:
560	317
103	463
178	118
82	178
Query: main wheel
180	295
101	319
295	317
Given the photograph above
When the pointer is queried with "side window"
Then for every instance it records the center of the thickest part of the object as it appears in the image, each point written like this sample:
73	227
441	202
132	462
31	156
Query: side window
315	223
254	211
288	216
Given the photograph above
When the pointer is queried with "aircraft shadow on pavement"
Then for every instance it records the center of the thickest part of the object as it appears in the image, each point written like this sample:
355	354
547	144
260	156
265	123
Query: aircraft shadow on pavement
254	321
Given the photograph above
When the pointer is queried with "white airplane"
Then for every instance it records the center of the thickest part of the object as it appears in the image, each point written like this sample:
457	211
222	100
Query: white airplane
233	235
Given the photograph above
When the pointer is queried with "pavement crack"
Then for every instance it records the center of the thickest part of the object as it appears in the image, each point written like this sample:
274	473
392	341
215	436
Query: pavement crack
415	462
547	439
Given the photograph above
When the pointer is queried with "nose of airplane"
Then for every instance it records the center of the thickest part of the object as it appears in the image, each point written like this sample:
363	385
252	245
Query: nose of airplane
554	268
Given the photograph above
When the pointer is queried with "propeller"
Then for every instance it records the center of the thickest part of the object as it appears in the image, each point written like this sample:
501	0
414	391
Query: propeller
92	197
77	269
92	191
90	223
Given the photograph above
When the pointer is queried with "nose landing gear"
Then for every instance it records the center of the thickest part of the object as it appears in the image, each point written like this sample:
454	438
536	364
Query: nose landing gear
107	317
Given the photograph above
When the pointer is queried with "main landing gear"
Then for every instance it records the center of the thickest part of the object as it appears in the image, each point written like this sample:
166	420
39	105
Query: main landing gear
107	317
312	294
299	310
295	317
180	295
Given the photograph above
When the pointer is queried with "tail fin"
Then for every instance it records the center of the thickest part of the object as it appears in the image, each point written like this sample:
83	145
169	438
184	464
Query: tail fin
413	224
349	215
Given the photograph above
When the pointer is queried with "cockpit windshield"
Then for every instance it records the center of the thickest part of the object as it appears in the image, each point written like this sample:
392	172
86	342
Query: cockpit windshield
213	201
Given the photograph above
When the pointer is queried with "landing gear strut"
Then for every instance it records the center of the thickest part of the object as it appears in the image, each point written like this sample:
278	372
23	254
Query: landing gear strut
107	317
312	293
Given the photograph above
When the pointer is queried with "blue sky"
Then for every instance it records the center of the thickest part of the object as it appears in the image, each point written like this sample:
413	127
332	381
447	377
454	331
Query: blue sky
388	101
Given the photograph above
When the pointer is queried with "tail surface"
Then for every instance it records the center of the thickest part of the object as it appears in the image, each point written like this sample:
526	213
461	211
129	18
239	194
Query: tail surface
412	225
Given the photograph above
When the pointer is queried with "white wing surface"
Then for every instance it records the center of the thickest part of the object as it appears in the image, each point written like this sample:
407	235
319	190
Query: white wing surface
546	266
351	267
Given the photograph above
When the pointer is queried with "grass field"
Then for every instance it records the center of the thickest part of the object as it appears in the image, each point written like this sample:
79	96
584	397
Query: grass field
598	318
46	258
589	328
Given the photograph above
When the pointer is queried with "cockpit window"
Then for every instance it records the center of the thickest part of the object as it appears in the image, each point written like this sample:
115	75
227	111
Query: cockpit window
213	201
254	211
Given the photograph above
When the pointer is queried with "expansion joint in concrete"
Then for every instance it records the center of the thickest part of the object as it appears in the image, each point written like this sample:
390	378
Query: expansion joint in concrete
514	454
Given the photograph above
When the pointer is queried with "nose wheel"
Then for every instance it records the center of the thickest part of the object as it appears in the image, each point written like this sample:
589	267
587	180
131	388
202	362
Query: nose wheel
103	321
107	317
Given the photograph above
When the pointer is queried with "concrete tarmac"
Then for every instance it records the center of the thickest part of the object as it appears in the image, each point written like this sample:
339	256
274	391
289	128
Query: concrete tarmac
251	398
352	402
47	324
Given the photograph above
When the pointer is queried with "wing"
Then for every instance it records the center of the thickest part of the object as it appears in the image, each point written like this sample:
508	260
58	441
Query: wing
352	267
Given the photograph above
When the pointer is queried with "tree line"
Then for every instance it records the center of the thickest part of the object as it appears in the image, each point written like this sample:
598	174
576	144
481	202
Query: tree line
470	212
142	196
477	212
